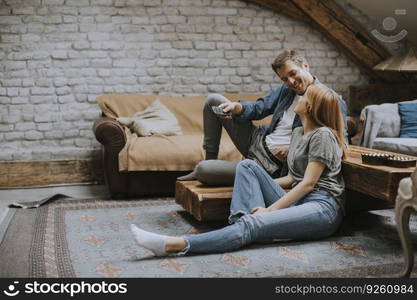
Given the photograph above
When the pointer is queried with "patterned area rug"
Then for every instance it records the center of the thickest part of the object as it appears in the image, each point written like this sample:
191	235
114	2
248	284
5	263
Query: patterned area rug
91	238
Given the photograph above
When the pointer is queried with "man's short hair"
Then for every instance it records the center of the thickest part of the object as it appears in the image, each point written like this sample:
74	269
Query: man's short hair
286	55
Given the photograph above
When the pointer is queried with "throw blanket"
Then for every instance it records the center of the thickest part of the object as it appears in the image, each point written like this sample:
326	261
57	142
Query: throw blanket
380	121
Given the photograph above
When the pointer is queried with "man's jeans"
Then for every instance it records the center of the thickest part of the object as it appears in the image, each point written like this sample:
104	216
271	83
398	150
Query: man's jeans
315	216
245	136
239	132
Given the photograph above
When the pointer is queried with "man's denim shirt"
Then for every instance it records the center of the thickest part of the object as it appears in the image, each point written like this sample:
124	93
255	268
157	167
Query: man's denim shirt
276	102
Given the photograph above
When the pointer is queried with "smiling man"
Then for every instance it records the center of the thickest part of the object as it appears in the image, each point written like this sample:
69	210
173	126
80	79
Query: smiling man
266	145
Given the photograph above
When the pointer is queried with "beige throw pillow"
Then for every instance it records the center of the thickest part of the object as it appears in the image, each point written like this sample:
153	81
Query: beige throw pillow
155	119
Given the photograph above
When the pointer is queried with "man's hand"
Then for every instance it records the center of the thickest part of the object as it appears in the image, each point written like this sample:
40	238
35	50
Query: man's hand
233	107
258	210
281	152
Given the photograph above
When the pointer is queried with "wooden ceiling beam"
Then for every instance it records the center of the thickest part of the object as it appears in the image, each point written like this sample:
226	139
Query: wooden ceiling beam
343	29
283	6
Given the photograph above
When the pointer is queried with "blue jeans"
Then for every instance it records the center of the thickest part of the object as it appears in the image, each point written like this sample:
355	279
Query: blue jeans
315	216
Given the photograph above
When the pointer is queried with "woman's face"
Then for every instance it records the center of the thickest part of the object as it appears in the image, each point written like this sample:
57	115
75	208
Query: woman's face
303	106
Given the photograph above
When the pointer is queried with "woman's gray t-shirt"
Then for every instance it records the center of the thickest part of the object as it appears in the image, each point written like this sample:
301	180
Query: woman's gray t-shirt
319	145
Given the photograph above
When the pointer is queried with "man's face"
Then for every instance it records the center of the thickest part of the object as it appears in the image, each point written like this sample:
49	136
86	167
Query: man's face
295	77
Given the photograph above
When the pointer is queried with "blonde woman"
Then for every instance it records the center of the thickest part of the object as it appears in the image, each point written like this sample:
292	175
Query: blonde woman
261	210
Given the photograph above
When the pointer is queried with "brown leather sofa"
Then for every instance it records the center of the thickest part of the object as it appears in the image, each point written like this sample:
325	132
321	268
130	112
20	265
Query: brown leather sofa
148	166
130	173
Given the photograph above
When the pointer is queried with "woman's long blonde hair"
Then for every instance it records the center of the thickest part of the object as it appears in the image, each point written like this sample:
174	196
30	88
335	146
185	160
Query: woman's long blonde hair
326	111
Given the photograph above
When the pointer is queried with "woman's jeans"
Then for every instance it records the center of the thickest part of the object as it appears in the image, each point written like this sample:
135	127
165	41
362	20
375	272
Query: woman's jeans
315	216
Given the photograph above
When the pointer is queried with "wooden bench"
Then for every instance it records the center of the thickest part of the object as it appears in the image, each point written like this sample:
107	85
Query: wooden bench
367	187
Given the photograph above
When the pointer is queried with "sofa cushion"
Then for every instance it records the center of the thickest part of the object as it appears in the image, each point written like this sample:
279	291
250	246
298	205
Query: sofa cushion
398	145
408	114
187	110
155	119
170	153
389	116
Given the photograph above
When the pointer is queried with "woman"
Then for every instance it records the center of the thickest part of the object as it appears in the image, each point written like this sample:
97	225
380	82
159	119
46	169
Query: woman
261	210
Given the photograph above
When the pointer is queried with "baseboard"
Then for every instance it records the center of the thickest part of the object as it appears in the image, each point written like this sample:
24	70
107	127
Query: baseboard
41	173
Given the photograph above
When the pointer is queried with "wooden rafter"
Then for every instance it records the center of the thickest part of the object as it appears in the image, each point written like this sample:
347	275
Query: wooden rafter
283	6
341	29
328	15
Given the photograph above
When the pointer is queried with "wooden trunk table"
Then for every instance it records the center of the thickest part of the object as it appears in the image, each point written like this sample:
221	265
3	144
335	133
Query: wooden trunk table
202	202
376	182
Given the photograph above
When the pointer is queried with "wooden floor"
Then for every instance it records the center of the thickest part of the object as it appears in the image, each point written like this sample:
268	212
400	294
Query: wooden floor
9	196
40	173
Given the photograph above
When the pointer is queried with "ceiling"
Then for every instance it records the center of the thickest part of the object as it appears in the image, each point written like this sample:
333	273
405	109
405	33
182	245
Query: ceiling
394	19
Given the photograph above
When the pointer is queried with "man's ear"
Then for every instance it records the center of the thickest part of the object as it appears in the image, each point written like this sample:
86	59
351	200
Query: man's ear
275	70
306	66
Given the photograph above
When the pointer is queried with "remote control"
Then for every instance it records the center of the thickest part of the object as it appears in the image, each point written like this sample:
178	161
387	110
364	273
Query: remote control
219	111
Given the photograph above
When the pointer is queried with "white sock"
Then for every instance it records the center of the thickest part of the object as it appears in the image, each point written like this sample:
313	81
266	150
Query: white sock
151	241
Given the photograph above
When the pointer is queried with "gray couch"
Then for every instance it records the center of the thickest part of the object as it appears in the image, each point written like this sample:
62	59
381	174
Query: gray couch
381	129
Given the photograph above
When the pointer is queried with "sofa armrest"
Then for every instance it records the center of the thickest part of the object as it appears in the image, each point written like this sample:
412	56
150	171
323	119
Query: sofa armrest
112	136
109	133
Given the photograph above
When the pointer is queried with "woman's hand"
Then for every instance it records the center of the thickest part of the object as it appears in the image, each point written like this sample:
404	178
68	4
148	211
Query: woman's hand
258	210
311	176
286	181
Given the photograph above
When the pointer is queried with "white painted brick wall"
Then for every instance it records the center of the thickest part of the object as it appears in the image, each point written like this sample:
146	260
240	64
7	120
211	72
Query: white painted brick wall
57	56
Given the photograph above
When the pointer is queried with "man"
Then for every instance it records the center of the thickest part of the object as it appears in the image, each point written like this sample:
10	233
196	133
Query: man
266	145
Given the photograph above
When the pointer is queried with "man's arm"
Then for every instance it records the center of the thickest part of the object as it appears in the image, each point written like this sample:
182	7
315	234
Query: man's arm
233	107
281	152
263	106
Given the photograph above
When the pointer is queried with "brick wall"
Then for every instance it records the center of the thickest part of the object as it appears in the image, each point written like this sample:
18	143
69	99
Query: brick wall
58	55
